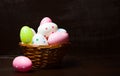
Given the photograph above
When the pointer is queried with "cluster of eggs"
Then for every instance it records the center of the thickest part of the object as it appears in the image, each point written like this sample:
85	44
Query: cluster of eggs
47	33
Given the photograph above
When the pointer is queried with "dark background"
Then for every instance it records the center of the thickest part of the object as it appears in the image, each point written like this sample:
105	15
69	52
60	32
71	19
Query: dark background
93	25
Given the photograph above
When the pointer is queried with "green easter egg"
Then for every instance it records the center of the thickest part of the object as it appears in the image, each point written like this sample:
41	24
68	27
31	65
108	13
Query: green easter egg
26	34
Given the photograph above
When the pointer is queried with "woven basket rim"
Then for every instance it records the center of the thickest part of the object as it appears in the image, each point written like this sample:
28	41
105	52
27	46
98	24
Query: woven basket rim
43	46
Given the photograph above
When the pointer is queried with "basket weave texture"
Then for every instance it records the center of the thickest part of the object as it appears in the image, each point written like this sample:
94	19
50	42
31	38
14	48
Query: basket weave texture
44	56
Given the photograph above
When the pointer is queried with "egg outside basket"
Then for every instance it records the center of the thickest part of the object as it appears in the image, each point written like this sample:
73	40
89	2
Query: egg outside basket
45	56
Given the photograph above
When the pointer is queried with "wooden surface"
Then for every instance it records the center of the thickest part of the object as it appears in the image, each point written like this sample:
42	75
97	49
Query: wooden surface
76	65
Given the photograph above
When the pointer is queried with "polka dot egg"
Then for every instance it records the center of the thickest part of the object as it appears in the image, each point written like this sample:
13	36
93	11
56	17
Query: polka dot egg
22	64
45	20
47	28
39	39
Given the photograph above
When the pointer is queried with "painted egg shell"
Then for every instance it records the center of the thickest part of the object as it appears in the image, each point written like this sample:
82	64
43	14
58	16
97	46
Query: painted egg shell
45	20
58	38
26	34
47	28
33	31
39	39
61	30
22	64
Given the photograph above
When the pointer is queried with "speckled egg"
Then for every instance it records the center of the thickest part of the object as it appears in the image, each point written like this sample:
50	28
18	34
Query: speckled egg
47	28
22	64
45	20
39	39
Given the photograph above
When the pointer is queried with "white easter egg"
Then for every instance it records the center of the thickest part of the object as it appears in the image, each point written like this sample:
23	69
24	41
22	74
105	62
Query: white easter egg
33	31
61	30
47	28
39	39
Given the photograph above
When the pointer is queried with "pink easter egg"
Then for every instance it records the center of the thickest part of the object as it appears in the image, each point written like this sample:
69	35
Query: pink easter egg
22	64
45	20
58	38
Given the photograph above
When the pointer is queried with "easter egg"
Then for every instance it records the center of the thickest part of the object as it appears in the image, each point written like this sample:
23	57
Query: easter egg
58	38
22	64
26	34
61	30
47	28
39	39
33	31
45	20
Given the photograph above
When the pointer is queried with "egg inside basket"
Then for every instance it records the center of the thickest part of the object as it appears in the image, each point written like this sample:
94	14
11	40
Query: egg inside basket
47	47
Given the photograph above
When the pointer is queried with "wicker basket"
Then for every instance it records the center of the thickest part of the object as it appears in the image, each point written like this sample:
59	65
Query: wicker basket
45	56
